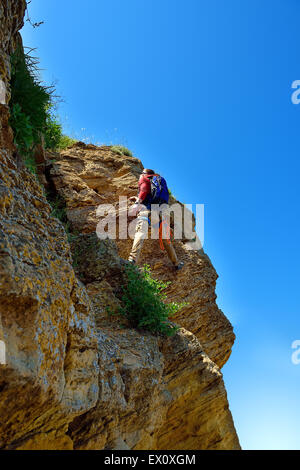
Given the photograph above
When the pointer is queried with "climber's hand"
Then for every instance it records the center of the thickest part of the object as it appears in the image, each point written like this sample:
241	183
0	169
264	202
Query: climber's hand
133	198
134	210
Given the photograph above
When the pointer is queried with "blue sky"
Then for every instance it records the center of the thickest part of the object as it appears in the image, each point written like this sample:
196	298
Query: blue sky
200	90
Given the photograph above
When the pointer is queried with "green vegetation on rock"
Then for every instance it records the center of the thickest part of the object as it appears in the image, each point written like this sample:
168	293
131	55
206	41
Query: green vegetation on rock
143	302
119	149
32	109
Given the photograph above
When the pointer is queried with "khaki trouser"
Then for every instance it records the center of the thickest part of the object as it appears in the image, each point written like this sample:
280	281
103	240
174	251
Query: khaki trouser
141	233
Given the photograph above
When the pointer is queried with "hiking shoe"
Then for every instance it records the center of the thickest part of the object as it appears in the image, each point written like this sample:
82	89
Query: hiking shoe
179	266
127	262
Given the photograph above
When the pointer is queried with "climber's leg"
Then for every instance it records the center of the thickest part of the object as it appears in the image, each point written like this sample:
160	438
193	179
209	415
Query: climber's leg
141	233
168	246
170	251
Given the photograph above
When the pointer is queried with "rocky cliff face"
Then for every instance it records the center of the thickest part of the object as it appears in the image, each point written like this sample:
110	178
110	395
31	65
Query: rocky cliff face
86	176
11	20
73	378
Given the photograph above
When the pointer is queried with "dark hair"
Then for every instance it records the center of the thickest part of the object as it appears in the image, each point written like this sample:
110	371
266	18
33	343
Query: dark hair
148	172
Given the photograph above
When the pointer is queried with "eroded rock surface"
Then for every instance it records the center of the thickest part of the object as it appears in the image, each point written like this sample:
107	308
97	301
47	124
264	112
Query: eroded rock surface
46	317
86	176
74	377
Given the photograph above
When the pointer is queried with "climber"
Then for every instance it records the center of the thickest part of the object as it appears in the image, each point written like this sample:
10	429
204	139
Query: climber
152	190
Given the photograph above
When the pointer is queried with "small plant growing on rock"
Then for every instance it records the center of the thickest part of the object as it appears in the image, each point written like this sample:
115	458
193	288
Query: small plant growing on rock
65	141
120	150
143	302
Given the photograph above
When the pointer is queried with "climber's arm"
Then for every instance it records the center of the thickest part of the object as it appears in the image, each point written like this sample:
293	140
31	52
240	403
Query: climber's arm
144	189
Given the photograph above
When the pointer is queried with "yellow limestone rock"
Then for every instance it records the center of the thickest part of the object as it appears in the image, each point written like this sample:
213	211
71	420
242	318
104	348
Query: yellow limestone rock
73	377
180	410
86	176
